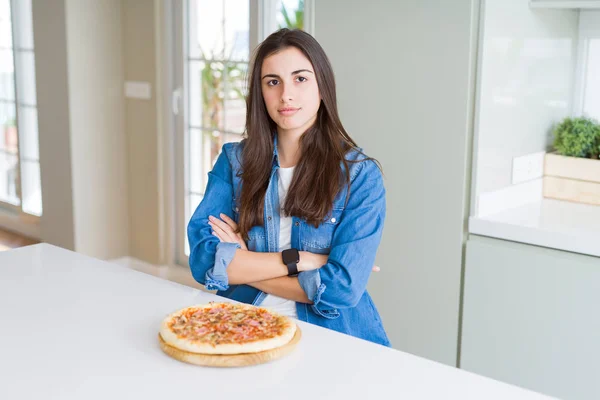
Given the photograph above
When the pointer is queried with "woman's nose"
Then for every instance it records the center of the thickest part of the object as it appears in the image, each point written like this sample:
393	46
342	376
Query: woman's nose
286	94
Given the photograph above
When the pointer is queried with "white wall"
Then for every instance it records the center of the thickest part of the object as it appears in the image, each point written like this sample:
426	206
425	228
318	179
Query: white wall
405	80
98	142
79	71
526	85
139	45
57	223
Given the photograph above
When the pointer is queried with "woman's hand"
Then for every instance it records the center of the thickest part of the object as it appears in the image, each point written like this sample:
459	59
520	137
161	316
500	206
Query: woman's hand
225	229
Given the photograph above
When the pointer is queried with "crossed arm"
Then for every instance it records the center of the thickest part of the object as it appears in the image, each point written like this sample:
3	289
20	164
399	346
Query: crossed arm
271	274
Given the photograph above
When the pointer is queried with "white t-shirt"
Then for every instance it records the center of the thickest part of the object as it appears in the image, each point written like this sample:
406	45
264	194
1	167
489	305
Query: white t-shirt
278	304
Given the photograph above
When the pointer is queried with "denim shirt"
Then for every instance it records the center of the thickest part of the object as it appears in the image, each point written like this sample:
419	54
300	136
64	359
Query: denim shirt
350	235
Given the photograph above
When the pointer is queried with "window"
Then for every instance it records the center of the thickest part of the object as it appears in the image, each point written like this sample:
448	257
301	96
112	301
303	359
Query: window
20	188
591	95
216	50
217	62
290	14
587	93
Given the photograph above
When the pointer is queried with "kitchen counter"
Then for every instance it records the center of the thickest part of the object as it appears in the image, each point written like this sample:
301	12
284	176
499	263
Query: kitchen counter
548	223
73	327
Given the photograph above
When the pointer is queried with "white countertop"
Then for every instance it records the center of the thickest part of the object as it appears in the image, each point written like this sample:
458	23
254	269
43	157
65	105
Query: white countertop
73	327
549	223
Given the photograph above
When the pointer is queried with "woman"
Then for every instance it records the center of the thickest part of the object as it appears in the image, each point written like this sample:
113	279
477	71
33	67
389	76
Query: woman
292	216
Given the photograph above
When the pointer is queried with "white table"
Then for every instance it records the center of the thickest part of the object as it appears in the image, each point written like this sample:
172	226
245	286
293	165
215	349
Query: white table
73	327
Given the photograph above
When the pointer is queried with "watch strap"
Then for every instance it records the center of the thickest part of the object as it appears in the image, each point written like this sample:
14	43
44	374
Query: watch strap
290	258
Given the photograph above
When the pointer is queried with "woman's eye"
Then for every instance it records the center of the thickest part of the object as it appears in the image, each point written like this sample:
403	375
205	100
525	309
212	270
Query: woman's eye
273	82
301	79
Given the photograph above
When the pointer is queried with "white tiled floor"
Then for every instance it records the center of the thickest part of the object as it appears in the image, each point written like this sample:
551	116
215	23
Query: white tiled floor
173	273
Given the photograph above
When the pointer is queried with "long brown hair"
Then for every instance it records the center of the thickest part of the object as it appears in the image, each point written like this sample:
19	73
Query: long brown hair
318	175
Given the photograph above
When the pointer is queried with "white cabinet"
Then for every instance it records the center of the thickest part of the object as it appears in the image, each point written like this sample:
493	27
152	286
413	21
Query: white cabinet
532	74
531	317
573	4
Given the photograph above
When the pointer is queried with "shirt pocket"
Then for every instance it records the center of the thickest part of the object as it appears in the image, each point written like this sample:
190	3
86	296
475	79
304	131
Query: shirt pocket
318	240
257	239
256	235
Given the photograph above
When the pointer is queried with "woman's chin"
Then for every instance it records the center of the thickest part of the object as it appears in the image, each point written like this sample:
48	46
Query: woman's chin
288	126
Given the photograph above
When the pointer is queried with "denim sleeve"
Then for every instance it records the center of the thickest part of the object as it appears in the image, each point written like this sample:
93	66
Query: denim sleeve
343	280
216	277
310	281
208	257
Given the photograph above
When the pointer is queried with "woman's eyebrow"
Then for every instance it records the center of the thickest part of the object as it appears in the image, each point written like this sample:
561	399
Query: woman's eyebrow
293	73
301	70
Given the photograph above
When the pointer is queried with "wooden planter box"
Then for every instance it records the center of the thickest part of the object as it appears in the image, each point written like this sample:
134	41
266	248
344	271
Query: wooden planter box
572	179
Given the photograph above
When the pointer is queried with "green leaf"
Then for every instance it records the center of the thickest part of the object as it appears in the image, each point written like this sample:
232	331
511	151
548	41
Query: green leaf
286	17
298	23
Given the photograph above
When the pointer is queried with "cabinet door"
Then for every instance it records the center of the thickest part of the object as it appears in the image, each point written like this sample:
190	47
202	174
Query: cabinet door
531	317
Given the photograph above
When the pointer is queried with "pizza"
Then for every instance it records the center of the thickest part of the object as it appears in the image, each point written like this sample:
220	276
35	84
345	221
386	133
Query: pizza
226	328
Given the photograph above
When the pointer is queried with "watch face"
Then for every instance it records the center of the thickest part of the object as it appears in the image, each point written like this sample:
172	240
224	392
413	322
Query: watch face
290	256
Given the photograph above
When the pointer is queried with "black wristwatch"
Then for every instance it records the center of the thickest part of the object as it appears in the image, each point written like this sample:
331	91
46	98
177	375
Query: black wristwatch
291	258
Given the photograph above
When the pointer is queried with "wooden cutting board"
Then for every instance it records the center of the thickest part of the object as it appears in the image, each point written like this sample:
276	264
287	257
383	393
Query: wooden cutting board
231	360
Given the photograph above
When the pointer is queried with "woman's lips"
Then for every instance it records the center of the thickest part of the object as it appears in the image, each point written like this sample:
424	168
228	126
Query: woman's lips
287	111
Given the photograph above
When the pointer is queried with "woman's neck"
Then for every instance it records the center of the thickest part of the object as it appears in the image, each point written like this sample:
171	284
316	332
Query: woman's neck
288	149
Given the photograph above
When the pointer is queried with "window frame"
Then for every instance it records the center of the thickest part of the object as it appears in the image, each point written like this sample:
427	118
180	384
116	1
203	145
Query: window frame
259	27
589	28
14	217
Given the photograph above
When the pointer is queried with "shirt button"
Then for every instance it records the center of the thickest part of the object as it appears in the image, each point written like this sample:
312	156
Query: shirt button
237	209
297	223
333	220
269	218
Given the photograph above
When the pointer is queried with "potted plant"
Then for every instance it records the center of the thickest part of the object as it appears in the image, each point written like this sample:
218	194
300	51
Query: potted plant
572	171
